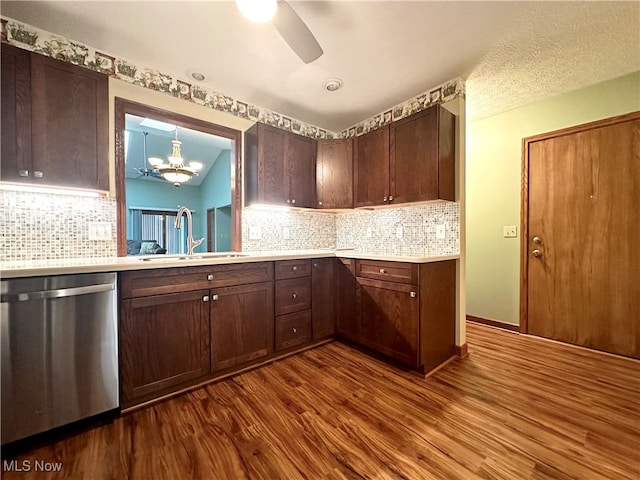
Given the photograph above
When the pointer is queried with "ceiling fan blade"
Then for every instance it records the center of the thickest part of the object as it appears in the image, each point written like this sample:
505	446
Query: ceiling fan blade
296	33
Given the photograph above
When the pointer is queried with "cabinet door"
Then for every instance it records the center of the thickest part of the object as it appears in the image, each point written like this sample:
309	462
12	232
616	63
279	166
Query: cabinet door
241	324
301	170
388	315
271	165
323	297
334	173
16	114
69	124
422	157
371	168
345	288
164	344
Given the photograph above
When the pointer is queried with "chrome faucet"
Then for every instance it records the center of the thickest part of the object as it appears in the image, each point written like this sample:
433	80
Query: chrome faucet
191	243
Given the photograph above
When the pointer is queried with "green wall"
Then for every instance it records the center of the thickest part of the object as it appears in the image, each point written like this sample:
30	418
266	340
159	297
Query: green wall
493	169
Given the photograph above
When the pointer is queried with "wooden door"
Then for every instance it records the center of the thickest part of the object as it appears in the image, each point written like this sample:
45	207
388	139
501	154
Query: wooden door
241	324
271	165
164	344
16	114
422	157
334	173
581	261
371	168
300	157
345	291
388	317
323	297
70	111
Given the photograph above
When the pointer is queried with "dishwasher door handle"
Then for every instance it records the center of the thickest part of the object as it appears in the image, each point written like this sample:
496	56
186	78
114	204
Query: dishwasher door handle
59	293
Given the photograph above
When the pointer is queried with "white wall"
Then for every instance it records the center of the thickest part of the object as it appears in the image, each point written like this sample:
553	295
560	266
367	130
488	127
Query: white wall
493	170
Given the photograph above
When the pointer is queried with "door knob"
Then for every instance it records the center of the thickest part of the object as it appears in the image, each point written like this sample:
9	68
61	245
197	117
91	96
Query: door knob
537	240
536	253
294	295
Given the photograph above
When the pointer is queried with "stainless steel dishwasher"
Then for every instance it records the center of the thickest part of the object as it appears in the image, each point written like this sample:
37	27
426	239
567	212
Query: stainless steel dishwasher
59	351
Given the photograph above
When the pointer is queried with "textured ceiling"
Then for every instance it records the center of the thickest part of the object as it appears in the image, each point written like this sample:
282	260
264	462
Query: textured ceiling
512	53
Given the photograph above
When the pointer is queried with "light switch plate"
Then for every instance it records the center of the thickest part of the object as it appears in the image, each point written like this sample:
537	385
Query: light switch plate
509	231
399	232
255	232
99	231
441	232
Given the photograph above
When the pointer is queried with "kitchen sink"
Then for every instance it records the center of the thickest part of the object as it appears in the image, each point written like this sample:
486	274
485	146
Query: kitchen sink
200	256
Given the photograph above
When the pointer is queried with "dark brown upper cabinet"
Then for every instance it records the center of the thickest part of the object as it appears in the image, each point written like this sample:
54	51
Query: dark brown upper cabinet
279	167
371	168
422	157
410	160
334	173
55	122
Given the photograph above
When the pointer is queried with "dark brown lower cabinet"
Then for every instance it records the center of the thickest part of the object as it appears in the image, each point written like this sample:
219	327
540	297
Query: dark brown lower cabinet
164	344
389	318
345	288
293	329
323	297
241	324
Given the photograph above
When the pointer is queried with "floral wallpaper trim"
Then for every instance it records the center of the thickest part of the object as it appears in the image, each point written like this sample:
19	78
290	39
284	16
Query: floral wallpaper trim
445	92
40	41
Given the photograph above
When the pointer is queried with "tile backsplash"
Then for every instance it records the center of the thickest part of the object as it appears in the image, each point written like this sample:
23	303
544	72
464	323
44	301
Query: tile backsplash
312	230
376	231
37	226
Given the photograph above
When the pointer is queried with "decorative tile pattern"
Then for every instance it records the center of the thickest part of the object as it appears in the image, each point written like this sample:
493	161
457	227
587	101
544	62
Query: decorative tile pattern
419	230
36	226
442	93
46	43
307	230
313	230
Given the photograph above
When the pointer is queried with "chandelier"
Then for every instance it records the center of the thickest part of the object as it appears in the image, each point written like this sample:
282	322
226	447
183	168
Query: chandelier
175	170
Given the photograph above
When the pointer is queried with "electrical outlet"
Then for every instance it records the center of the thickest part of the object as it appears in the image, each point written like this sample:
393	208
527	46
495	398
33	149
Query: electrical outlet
369	232
398	232
286	233
99	231
509	231
440	232
255	232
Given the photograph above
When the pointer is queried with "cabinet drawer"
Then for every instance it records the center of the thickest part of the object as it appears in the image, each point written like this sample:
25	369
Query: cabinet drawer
293	329
293	295
293	269
142	283
389	271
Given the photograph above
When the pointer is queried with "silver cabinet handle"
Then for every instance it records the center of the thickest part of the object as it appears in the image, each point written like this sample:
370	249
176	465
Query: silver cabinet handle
293	200
205	298
209	277
214	297
391	198
536	253
23	173
320	203
294	330
295	269
537	240
413	294
59	293
294	295
38	174
288	200
384	199
315	265
383	271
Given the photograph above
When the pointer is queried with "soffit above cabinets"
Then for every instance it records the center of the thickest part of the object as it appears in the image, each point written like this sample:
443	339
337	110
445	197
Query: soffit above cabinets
511	53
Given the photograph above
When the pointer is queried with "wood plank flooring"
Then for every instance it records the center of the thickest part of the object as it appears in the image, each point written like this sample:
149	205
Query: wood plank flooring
518	407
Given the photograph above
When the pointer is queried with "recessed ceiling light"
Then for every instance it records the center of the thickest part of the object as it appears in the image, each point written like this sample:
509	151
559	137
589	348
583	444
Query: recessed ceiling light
332	84
197	76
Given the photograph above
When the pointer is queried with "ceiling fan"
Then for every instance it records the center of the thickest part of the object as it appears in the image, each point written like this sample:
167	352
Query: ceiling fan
288	24
144	171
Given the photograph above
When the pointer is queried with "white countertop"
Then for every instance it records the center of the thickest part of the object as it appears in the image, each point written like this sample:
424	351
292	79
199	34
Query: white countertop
35	268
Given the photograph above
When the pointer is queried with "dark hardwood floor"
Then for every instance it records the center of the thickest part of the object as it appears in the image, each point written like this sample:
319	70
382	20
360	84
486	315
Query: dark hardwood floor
518	407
